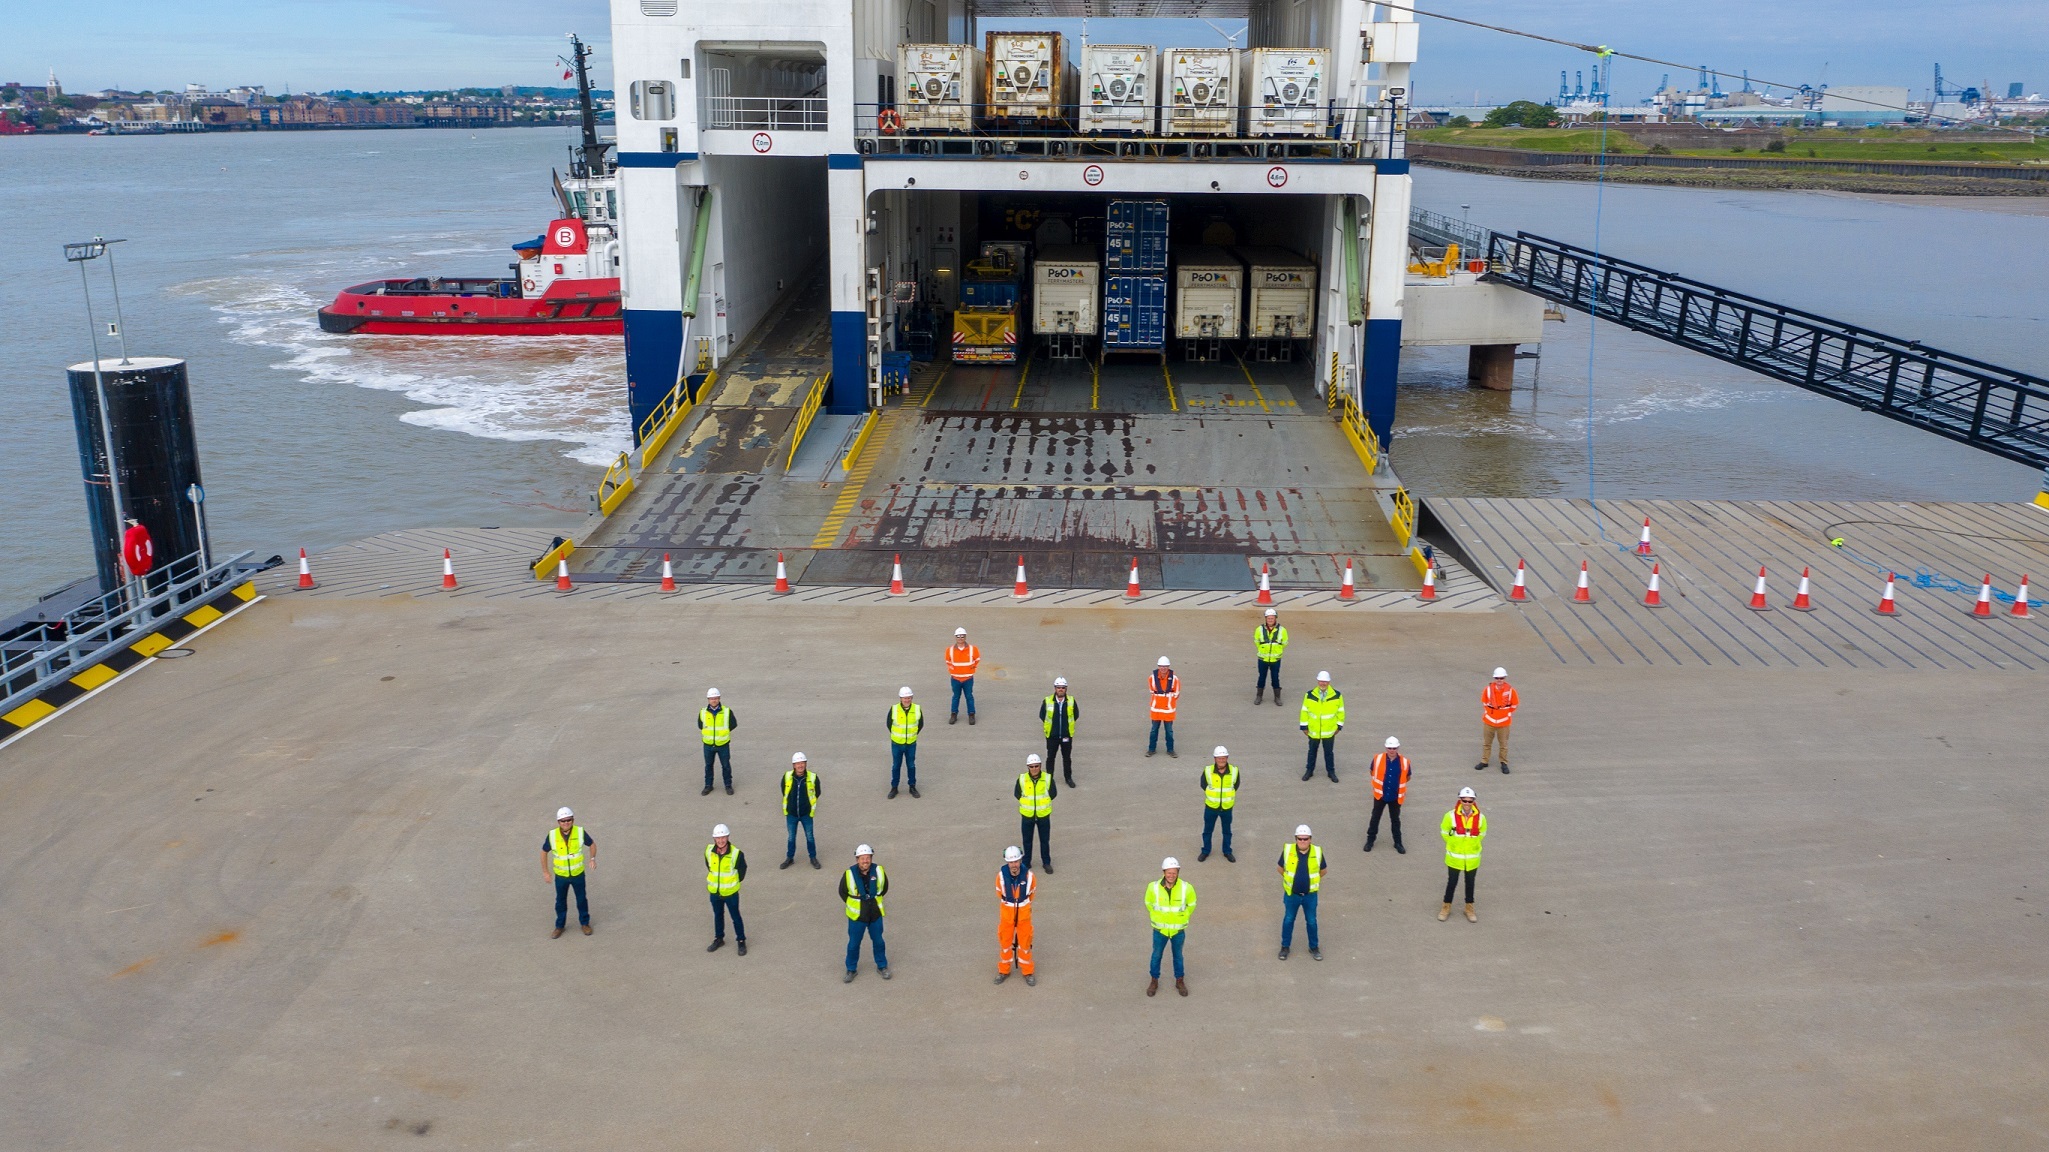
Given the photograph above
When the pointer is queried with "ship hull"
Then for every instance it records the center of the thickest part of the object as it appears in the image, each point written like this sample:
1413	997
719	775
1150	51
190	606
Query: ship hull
475	308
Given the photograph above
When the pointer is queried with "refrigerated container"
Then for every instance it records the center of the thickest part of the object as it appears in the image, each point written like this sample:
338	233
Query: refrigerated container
1135	314
1117	92
1283	90
937	86
1280	297
1135	236
1028	81
1198	92
1067	285
1209	291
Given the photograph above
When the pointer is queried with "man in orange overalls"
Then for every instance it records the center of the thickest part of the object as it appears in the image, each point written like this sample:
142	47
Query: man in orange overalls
961	661
1498	702
1166	694
1014	887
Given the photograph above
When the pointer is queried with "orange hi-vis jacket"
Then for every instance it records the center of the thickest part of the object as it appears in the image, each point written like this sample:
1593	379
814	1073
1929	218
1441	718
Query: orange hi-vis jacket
1498	701
1166	690
1401	785
962	660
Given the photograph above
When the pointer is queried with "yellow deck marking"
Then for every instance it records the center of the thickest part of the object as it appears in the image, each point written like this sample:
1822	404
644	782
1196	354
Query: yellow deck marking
1172	404
28	713
94	676
936	380
1021	378
1249	380
1095	383
850	488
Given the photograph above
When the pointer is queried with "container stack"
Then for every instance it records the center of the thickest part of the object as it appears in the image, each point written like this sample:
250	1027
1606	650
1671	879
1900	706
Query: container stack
1135	277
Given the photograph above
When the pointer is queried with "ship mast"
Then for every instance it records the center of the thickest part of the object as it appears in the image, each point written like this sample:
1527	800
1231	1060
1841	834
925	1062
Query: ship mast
592	153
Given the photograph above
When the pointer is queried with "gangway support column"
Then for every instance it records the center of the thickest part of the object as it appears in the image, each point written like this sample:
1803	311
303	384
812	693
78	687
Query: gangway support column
847	219
1491	366
1387	254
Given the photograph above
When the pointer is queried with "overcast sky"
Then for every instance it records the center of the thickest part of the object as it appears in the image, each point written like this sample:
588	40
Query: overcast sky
312	45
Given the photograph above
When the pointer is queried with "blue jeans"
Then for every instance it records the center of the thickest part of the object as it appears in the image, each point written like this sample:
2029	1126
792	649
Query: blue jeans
810	845
872	930
964	688
1329	756
583	905
902	756
1210	816
724	754
1154	743
1269	668
1291	905
1160	942
720	905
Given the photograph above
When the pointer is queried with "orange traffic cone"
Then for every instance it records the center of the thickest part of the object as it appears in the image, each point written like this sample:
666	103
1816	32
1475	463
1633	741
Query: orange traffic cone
1643	542
1131	585
1650	594
562	583
447	569
1801	603
668	574
1266	592
782	576
896	576
305	573
1885	605
1020	591
1519	591
1757	603
1983	608
1583	594
1429	591
1345	590
2020	600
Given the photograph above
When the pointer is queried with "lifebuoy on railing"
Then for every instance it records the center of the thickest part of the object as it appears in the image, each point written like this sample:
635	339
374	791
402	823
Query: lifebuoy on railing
530	284
889	121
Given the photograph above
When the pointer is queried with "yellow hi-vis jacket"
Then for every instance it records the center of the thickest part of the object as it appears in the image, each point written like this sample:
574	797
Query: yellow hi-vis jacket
1220	793
1170	910
1271	642
1035	797
1323	712
1462	839
722	873
1290	857
567	853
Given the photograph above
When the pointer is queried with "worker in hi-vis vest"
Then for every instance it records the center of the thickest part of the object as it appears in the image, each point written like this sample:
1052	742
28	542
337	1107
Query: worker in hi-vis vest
1462	828
715	725
800	804
862	887
1498	702
1166	700
1169	902
567	853
1269	643
1014	888
724	867
1390	790
1302	867
1219	796
961	661
904	721
1034	792
1323	717
1057	715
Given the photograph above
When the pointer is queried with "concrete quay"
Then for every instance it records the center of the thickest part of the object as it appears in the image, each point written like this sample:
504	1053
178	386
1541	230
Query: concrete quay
284	893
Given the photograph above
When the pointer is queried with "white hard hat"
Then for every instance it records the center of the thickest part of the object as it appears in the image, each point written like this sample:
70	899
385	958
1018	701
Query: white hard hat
960	631
1033	759
1221	751
1059	681
564	814
904	693
1393	743
718	830
1271	612
1501	673
711	693
1467	794
799	758
864	850
1302	830
1169	862
1011	855
1323	677
1165	663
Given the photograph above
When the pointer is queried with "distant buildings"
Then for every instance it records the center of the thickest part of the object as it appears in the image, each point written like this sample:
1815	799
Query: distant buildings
198	108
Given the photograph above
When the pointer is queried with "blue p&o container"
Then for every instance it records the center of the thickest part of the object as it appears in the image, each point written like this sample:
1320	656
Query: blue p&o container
1135	236
1135	313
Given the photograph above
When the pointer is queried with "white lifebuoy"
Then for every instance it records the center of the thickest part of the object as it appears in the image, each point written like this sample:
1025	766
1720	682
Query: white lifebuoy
530	284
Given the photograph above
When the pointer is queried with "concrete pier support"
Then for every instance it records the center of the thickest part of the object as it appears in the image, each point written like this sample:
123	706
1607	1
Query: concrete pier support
1491	366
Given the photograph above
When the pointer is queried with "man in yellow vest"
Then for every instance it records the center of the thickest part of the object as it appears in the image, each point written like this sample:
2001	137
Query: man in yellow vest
567	853
724	867
1034	792
1270	642
1219	796
1302	870
715	725
1169	901
862	888
800	804
1057	714
903	722
1463	828
1323	717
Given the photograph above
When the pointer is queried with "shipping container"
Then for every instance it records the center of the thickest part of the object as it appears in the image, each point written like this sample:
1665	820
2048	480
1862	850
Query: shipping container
1135	236
1135	314
1283	90
1117	93
1067	284
938	85
1280	294
1198	92
1209	291
1028	81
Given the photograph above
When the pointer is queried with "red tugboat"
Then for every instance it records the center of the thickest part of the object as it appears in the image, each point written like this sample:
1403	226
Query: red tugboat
565	284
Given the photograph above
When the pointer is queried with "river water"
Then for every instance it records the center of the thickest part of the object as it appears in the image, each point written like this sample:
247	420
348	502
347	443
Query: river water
309	440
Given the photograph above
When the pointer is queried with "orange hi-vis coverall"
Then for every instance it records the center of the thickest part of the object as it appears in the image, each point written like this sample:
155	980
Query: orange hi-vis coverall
1014	918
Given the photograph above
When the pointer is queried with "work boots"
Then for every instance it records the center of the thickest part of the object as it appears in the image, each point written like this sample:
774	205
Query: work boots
1471	916
1277	699
1153	987
1444	913
1259	696
1180	985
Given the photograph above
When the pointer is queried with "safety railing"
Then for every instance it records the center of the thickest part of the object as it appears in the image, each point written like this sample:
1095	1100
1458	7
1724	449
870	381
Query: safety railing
805	415
1436	228
861	439
654	432
1330	132
1356	429
1404	518
616	485
765	113
85	635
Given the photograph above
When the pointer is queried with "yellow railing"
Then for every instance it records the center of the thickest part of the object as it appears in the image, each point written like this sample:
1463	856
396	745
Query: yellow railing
1353	421
861	438
806	415
616	486
667	417
1404	521
544	568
